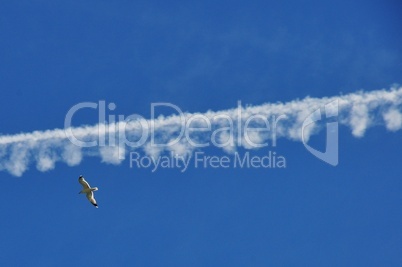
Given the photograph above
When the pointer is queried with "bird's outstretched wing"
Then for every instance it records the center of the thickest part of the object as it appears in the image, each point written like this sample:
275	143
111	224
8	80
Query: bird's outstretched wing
84	183
91	198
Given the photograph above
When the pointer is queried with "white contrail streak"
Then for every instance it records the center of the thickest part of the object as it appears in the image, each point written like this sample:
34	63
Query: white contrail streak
249	127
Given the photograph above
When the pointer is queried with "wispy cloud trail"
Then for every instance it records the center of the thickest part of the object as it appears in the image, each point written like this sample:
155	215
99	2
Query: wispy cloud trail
223	129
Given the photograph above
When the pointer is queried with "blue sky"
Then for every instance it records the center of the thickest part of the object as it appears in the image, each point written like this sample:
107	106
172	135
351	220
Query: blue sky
200	56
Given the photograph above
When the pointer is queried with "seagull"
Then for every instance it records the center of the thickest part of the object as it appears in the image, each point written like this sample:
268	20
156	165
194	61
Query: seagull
87	189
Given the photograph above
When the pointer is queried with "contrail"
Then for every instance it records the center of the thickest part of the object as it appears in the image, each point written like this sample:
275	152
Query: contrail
250	127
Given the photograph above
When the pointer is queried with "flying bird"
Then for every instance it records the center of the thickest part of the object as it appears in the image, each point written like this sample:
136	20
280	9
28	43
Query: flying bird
88	190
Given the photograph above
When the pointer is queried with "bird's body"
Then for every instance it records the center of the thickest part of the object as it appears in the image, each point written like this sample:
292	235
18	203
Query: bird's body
88	190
